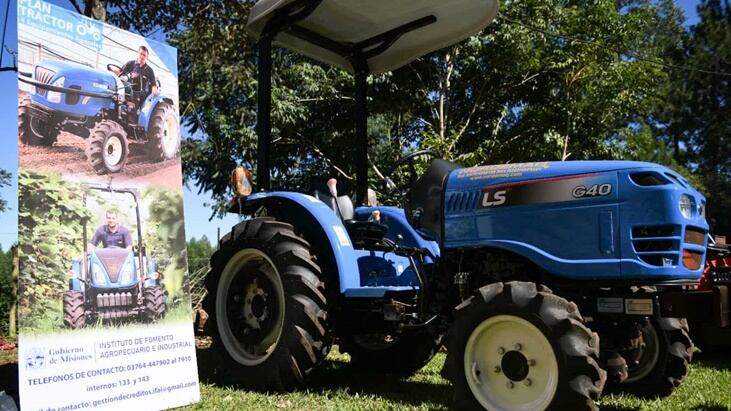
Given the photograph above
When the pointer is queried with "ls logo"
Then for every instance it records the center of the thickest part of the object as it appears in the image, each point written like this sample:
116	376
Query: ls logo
494	198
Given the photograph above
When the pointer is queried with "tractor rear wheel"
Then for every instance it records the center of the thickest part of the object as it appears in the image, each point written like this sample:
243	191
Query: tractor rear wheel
74	315
153	301
26	131
164	132
107	148
518	346
266	305
661	362
400	355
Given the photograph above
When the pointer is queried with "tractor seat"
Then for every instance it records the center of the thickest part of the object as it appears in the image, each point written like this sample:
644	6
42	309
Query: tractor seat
362	233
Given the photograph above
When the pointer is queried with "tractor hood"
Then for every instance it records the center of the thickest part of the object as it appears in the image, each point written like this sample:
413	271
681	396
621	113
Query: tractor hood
481	177
76	76
113	268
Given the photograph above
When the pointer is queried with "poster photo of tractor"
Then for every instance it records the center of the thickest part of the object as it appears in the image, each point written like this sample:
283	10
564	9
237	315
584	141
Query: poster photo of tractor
99	255
108	106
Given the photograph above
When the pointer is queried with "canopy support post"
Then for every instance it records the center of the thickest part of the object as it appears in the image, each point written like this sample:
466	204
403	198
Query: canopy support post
263	113
361	130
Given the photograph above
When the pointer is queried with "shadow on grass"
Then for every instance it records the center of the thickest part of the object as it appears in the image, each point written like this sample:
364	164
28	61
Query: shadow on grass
718	360
333	376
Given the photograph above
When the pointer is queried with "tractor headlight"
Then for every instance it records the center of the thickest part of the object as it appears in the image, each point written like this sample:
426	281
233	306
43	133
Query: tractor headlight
127	273
55	96
686	205
97	273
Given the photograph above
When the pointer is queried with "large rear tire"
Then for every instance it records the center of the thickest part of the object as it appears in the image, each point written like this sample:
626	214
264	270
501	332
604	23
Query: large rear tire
107	149
663	363
74	315
164	132
516	346
402	355
267	306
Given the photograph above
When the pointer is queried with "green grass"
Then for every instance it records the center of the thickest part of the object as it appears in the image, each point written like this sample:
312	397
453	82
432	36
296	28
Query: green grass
335	386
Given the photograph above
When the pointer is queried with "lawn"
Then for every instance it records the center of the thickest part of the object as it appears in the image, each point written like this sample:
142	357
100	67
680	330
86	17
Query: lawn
335	386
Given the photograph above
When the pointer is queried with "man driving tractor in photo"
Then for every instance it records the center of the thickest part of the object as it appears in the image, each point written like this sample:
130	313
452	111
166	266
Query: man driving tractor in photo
111	234
142	78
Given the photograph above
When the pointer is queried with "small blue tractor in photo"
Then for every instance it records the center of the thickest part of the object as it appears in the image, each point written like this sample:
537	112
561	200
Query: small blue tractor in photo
96	105
113	284
545	281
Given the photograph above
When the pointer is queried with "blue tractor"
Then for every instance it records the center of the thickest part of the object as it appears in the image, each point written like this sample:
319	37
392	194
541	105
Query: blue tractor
99	106
113	284
543	280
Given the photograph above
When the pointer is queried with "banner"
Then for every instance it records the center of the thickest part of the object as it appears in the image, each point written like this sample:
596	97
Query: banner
104	300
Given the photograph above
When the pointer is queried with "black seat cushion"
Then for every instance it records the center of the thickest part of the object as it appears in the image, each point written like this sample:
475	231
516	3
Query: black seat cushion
364	233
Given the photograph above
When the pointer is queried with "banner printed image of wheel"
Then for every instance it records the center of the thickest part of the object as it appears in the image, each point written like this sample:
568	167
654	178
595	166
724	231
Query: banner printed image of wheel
164	132
107	148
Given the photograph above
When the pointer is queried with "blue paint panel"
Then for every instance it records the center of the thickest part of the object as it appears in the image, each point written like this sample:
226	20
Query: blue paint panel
397	224
345	257
97	272
562	216
149	106
87	78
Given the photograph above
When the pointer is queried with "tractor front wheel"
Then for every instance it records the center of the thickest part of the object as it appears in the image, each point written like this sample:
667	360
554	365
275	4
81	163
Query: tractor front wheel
660	362
74	315
153	300
517	346
107	149
266	305
164	132
26	131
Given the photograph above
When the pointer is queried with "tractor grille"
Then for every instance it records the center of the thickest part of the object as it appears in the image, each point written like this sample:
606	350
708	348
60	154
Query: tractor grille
105	300
43	75
462	201
117	314
657	245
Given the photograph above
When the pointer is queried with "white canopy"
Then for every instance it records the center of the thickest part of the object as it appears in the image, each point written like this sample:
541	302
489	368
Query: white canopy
352	21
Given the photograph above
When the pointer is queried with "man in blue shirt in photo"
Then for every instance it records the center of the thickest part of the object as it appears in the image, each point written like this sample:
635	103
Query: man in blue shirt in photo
112	234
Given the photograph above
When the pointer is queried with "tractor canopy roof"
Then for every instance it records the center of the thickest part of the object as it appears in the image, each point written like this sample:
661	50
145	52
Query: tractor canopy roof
389	33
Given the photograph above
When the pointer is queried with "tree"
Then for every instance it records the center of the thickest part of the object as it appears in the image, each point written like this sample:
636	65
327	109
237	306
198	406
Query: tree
199	252
697	116
546	81
4	182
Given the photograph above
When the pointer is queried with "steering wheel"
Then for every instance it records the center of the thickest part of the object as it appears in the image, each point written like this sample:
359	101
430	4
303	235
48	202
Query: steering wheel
413	174
113	67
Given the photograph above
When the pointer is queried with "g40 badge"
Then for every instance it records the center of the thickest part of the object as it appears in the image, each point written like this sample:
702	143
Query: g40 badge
596	190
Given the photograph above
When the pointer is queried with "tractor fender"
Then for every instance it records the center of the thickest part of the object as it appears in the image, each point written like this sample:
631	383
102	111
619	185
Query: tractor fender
320	226
148	107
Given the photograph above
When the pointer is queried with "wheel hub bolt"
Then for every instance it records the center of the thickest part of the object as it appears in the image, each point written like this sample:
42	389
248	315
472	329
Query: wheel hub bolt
497	369
531	362
518	347
501	350
527	382
237	298
510	385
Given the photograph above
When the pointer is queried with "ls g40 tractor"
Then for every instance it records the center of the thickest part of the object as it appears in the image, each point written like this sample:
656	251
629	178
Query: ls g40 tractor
99	106
113	283
545	279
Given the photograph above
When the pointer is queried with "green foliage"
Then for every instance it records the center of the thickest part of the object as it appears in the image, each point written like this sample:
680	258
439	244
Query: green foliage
199	252
6	266
4	181
164	240
50	237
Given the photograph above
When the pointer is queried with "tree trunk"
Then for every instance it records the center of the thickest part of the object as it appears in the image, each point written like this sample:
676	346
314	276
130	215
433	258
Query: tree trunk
96	9
13	327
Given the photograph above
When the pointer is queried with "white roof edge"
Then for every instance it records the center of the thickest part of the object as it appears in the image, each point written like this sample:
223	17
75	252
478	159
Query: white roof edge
347	21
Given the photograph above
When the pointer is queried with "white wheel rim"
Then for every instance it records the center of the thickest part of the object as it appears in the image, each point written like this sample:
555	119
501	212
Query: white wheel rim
235	265
170	136
113	151
490	371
